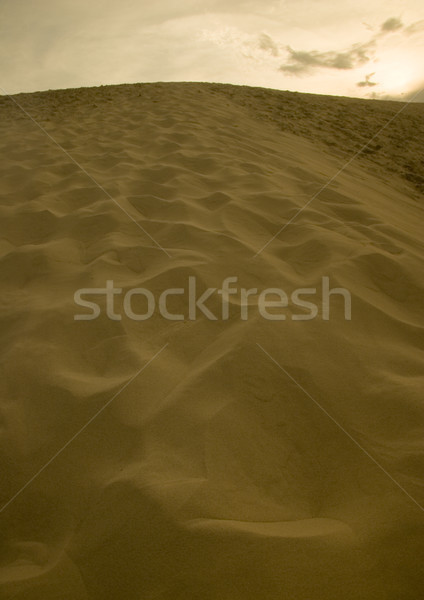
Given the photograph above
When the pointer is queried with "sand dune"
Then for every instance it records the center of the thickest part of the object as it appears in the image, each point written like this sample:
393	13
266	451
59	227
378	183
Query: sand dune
250	458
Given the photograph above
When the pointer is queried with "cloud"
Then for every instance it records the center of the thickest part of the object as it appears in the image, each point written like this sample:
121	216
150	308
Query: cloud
417	95
414	27
392	24
267	43
69	44
301	62
366	82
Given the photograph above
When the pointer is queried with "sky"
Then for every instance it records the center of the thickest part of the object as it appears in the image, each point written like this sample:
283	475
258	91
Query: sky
363	48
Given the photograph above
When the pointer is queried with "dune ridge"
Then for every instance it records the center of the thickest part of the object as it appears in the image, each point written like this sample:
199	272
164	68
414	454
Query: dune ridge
212	475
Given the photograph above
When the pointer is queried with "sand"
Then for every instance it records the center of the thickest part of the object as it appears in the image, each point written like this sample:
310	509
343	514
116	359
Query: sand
249	459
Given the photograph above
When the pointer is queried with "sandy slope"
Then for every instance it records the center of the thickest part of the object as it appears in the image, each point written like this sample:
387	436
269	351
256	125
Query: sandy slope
212	476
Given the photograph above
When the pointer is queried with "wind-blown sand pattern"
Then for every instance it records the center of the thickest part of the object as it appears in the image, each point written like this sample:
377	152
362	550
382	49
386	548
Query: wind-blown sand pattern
212	475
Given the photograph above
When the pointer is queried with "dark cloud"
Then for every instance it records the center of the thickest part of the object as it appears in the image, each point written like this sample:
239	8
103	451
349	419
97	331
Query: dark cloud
267	43
392	24
301	62
367	81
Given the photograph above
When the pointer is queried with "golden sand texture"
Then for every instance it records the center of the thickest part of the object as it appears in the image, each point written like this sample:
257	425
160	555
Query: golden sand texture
250	459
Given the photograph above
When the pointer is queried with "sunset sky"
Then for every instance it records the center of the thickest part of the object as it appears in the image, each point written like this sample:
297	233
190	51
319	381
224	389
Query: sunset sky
354	48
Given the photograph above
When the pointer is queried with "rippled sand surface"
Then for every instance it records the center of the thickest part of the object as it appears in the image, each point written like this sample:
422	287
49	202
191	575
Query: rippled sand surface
247	458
